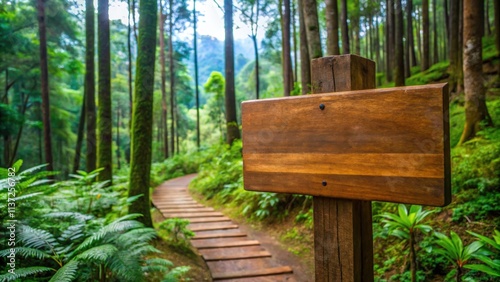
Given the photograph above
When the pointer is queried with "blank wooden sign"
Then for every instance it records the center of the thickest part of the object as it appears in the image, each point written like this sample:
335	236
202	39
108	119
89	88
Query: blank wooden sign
380	144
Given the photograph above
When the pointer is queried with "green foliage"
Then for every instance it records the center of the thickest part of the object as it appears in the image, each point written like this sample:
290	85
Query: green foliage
404	225
177	274
176	166
453	249
55	240
177	229
120	247
306	218
406	221
435	73
490	259
223	166
10	120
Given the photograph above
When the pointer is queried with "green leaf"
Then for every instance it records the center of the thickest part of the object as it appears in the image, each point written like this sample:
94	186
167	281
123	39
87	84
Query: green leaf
98	254
24	272
26	253
483	268
67	273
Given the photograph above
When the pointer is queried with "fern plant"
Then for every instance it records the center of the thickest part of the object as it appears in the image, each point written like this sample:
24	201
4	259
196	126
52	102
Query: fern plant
117	251
404	225
28	186
491	265
452	248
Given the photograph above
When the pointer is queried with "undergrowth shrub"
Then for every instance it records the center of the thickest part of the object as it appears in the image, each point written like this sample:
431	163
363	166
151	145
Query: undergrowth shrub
178	165
176	229
75	230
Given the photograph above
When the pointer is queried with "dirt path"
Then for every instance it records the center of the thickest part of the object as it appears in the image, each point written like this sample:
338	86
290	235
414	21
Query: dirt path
233	252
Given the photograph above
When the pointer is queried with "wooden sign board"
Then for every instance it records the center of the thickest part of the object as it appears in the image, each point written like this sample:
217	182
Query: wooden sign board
380	144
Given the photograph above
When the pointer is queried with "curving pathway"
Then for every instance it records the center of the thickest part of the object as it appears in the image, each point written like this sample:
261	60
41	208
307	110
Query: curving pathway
231	255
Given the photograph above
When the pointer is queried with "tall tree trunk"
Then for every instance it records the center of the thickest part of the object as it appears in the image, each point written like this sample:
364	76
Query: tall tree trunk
287	62
177	144
294	38
389	39
118	124
453	39
89	87
460	58
487	27
332	27
435	57
409	30
79	139
196	76
104	113
496	10
446	19
380	65
312	29
425	24
42	34
140	163
343	27
233	131
475	96
129	57
173	103
164	109
305	63
257	75
356	27
399	76
418	29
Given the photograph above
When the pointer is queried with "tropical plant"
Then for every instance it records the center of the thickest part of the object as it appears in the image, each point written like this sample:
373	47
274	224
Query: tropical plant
404	225
452	248
117	250
24	189
492	266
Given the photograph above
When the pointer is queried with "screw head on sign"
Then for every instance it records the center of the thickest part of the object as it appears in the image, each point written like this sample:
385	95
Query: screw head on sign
321	106
323	183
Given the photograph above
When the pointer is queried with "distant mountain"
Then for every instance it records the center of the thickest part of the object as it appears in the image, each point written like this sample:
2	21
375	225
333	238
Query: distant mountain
211	56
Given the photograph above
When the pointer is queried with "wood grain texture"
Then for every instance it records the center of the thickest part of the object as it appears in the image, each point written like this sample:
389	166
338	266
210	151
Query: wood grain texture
219	235
252	273
343	243
247	255
213	227
225	244
396	132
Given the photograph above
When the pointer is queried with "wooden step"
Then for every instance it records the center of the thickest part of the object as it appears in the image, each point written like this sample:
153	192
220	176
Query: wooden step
209	219
231	244
187	210
219	235
213	227
180	206
176	203
252	273
192	215
246	255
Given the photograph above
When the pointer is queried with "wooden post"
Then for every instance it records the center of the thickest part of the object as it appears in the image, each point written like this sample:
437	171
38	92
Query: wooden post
343	243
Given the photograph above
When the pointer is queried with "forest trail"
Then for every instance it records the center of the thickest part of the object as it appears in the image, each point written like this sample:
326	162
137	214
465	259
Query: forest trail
230	253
